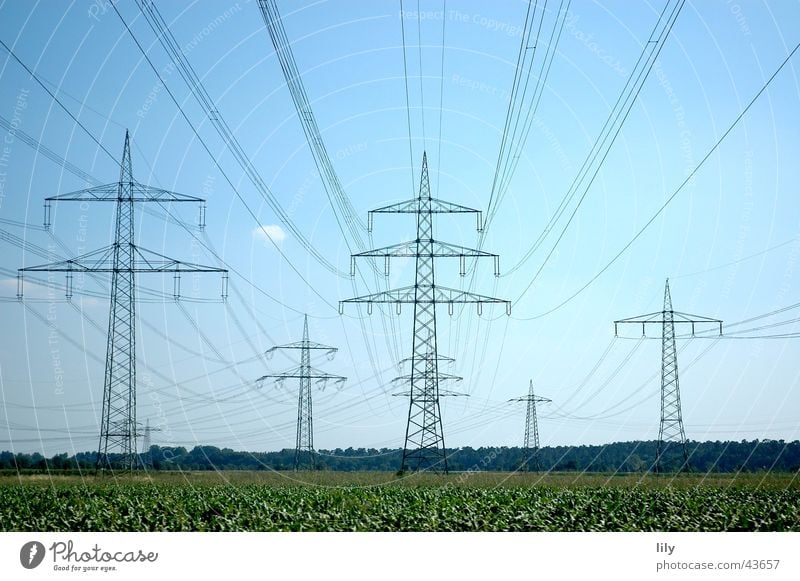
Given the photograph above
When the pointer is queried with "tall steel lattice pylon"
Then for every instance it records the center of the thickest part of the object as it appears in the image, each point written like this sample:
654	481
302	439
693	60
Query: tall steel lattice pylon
123	260
304	454
670	433
424	447
531	440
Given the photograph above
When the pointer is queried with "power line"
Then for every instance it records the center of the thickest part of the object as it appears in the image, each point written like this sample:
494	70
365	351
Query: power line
735	262
408	101
421	77
331	182
80	173
441	101
609	132
512	161
338	198
666	203
258	182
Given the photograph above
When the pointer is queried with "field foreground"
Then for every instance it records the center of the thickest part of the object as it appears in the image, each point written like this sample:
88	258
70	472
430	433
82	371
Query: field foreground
382	502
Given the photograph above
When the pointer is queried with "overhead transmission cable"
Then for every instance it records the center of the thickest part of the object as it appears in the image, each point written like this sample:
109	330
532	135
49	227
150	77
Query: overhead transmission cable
512	160
441	102
330	180
612	127
663	206
519	106
408	100
166	215
345	213
250	211
167	40
230	140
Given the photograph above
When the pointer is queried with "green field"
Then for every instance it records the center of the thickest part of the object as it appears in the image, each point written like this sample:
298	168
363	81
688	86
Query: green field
331	501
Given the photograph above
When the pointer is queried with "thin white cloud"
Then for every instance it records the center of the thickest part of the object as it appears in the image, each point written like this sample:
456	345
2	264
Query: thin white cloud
267	231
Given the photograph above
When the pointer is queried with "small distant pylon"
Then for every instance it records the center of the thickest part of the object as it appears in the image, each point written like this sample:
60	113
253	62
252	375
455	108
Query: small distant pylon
305	457
670	431
531	440
146	440
147	443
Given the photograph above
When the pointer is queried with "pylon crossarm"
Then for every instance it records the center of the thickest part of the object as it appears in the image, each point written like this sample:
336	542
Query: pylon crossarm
686	317
103	261
438	358
440	295
537	399
677	317
441	376
400	295
436	207
648	318
85	263
442	393
103	193
683	320
304	345
111	193
410	249
150	261
144	193
404	207
451	297
298	373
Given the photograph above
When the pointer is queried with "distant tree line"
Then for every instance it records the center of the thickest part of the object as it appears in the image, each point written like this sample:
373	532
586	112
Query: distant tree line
637	456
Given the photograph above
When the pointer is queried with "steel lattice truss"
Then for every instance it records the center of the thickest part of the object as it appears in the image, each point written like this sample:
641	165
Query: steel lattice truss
531	439
123	259
305	456
670	432
424	447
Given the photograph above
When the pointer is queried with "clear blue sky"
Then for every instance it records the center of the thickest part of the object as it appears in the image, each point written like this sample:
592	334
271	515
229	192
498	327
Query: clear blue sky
741	202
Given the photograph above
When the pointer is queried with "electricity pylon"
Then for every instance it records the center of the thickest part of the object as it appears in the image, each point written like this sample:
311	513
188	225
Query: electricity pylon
424	447
304	454
671	427
123	259
147	442
531	441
